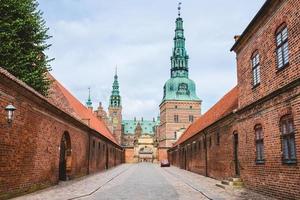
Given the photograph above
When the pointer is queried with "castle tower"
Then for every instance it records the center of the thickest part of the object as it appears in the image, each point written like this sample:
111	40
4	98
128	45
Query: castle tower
115	110
180	105
89	103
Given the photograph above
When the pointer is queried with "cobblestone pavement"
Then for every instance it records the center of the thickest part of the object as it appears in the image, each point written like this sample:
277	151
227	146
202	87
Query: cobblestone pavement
142	181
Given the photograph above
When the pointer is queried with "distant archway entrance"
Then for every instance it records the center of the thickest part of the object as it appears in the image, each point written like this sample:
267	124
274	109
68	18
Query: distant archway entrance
65	157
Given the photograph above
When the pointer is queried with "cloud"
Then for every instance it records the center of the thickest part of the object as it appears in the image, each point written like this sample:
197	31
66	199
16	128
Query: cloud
91	37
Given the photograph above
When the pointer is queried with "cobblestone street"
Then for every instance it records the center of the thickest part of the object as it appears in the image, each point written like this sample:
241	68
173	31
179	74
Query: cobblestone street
142	181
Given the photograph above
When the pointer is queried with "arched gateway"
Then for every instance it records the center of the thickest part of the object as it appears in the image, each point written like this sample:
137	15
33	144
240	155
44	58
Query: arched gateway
65	156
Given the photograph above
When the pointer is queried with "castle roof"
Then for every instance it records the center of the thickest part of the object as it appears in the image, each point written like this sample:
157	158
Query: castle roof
226	105
146	125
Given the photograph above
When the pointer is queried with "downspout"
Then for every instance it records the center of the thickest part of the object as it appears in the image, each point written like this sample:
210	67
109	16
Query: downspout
206	167
88	169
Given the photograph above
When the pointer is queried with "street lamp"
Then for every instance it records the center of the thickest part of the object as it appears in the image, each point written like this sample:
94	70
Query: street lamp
10	109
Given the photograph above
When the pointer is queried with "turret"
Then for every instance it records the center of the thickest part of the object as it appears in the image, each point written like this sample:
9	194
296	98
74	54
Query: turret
89	103
115	98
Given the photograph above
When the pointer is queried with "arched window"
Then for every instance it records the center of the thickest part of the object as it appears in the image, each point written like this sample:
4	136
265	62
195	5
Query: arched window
259	141
282	47
288	139
255	60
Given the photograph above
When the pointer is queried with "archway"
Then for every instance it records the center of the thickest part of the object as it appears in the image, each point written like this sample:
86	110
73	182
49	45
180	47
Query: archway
65	164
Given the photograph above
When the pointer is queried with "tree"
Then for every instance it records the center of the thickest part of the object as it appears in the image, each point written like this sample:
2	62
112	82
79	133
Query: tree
23	36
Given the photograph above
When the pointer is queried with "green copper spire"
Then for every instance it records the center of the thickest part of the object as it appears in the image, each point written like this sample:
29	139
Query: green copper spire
89	101
179	87
179	58
115	98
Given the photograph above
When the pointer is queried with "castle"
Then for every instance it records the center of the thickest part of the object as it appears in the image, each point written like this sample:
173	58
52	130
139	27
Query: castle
149	140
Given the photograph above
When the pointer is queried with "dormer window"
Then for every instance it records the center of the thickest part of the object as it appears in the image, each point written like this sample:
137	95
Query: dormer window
255	69
282	49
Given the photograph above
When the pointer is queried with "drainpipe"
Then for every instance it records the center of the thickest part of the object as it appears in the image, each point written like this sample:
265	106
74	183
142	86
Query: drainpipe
88	169
206	167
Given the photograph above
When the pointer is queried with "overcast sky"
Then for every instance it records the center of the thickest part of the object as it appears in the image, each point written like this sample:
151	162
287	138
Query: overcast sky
91	37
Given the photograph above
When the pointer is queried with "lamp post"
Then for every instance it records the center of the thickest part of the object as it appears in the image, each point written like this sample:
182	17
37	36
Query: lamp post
10	109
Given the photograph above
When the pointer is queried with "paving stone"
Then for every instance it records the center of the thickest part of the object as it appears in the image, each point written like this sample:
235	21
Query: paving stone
144	181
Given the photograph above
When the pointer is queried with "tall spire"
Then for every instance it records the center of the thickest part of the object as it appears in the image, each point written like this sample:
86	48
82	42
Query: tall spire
179	8
89	101
179	86
115	98
179	58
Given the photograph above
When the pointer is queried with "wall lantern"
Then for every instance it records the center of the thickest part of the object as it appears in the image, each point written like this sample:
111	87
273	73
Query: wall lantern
10	109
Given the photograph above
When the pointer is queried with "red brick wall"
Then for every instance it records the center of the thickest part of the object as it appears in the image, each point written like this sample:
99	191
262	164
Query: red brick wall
273	178
213	160
162	154
262	40
129	155
168	127
30	148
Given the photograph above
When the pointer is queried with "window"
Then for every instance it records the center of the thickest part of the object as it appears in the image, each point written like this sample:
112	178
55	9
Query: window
288	139
94	144
259	141
255	69
176	118
99	145
282	49
176	107
218	138
191	118
191	107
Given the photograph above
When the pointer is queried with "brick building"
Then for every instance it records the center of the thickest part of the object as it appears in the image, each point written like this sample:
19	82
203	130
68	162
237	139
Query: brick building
49	139
253	131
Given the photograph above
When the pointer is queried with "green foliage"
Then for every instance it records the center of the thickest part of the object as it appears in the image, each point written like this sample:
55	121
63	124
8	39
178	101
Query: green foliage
23	36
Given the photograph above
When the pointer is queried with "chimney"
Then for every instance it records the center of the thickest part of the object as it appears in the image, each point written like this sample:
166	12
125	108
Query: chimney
86	121
237	37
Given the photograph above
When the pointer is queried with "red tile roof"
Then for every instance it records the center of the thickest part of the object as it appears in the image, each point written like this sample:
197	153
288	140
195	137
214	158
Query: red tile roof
63	99
222	108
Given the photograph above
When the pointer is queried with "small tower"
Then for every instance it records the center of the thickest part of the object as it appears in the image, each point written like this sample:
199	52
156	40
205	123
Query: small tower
138	130
115	109
89	103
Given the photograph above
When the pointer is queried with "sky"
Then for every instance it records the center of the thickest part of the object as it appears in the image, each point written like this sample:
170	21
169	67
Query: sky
91	37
